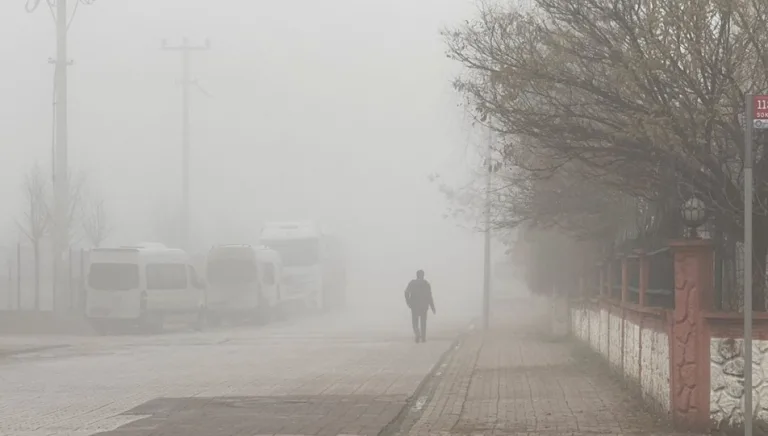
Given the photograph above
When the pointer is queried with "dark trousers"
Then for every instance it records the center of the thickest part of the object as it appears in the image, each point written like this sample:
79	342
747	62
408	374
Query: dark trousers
419	318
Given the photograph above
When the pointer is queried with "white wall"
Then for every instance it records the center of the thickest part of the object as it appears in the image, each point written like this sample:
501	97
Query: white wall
644	357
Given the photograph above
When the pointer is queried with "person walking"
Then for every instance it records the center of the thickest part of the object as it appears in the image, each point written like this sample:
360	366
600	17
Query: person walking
418	296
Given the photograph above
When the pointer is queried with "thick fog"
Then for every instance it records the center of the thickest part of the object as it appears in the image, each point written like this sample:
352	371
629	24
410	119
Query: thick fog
335	110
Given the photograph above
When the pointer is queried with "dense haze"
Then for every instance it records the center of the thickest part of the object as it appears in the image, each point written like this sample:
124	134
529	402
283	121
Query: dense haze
336	110
403	128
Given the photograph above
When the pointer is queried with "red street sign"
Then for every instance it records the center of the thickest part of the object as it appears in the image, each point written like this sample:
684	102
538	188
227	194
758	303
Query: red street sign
761	107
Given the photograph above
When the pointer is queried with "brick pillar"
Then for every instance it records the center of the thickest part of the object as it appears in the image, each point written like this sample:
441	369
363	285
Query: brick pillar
689	344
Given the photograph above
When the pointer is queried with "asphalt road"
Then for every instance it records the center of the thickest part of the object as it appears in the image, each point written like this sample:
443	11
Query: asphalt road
346	374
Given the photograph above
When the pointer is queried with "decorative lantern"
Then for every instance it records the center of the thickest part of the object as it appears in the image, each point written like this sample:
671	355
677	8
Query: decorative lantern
694	213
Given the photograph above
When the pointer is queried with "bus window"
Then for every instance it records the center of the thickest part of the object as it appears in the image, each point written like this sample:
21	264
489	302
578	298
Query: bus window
194	278
166	276
269	274
231	272
113	276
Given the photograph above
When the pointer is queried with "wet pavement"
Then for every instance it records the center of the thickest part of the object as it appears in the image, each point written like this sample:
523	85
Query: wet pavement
315	376
514	379
326	376
325	415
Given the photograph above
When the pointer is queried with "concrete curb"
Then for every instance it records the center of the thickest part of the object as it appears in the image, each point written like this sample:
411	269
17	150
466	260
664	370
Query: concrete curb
4	353
395	426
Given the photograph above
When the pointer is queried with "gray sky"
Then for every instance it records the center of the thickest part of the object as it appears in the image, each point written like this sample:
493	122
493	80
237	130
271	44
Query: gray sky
335	109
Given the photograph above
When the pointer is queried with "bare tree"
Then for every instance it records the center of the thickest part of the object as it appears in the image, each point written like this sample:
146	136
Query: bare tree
75	209
622	98
36	220
96	223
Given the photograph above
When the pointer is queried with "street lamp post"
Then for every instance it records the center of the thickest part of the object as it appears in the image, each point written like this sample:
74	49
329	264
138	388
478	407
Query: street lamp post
487	247
491	168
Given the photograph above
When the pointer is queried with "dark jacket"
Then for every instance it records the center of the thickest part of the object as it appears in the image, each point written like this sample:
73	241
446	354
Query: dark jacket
418	295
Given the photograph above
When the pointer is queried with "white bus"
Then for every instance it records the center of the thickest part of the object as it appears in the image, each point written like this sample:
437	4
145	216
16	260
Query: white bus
334	273
141	285
243	283
299	246
313	273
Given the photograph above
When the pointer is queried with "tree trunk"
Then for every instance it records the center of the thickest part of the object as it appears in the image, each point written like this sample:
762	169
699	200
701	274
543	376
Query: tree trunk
36	247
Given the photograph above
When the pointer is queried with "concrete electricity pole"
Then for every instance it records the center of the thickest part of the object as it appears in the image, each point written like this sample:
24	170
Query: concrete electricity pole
61	173
60	158
185	48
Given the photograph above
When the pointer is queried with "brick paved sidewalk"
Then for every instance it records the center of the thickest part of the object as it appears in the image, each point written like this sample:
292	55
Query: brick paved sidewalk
509	381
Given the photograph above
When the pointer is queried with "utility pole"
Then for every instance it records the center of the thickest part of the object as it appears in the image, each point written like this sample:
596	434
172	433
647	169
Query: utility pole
185	48
61	152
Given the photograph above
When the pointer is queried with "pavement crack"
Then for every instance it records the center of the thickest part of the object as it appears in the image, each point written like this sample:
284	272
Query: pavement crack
567	404
530	395
499	378
469	383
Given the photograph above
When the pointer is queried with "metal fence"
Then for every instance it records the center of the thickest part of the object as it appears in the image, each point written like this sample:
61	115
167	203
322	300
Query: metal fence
661	279
660	290
729	274
23	286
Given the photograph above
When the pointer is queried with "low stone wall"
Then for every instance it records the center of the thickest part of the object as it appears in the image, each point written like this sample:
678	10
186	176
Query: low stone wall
632	351
635	342
615	340
654	365
688	361
558	314
726	371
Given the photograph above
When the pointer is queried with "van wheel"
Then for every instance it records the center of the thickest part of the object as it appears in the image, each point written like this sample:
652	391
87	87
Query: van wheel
319	301
212	319
151	324
157	327
263	312
99	327
279	312
203	320
262	315
199	324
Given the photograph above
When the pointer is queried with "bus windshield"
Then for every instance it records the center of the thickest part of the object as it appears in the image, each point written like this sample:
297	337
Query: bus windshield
231	271
296	252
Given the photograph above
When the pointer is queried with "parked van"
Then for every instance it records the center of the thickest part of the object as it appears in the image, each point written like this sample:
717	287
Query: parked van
142	285
243	283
